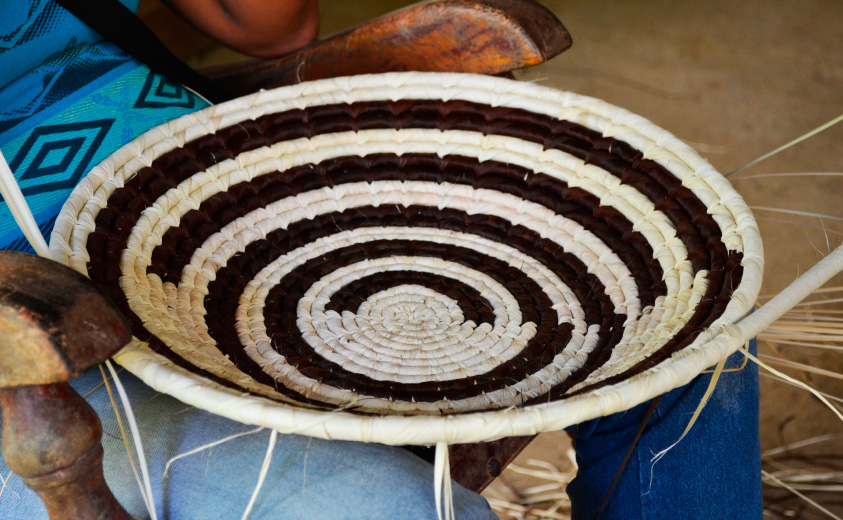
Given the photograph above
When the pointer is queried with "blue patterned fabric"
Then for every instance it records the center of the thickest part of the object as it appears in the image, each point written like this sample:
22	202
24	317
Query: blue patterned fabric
70	112
33	30
46	88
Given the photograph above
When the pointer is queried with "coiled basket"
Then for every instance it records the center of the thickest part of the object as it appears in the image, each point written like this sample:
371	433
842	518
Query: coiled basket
415	258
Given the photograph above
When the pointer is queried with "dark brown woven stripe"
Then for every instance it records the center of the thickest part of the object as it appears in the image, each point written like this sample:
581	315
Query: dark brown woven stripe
223	208
606	223
615	156
694	226
114	222
280	314
717	296
474	307
230	280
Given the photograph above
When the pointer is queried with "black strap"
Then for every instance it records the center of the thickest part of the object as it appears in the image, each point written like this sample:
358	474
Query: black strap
119	25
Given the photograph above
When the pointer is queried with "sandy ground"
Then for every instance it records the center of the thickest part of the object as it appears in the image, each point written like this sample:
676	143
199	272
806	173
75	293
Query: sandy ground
733	79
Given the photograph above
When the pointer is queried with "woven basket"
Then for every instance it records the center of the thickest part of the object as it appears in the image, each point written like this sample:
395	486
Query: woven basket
415	258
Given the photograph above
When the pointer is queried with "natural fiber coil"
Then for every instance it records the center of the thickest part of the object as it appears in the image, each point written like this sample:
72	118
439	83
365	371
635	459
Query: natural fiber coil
413	258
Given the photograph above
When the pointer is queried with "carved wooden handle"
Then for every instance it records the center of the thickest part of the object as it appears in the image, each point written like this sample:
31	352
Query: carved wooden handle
479	36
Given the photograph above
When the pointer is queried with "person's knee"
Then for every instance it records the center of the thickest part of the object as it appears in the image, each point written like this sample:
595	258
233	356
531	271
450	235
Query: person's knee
354	480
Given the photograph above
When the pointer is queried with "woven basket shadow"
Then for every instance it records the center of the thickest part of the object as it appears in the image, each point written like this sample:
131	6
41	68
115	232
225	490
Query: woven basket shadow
413	258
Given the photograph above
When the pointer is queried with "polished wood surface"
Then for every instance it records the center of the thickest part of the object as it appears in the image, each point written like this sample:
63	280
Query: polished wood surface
54	324
477	36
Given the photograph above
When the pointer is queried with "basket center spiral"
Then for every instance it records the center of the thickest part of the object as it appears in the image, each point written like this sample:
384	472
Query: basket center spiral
412	317
408	255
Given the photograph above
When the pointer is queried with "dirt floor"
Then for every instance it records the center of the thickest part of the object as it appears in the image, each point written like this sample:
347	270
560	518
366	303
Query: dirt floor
734	80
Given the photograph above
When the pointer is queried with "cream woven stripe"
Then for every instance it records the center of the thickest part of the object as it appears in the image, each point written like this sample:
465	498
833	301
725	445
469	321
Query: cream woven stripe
633	336
566	305
408	324
288	263
568	308
255	338
224	172
490	349
477	427
252	230
654	225
726	206
396	322
389	337
667	327
731	313
195	308
218	178
190	193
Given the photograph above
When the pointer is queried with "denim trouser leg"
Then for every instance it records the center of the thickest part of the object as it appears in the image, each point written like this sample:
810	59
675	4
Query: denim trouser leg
715	472
308	479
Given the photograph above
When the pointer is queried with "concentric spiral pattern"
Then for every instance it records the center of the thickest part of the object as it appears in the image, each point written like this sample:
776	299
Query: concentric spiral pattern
400	246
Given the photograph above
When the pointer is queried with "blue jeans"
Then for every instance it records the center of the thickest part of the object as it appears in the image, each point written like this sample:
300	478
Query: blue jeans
713	473
308	479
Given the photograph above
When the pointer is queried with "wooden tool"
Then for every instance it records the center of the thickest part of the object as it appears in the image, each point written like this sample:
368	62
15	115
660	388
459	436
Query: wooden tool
478	36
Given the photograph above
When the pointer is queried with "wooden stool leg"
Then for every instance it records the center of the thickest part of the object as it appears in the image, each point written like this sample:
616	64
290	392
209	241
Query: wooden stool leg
51	438
54	325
